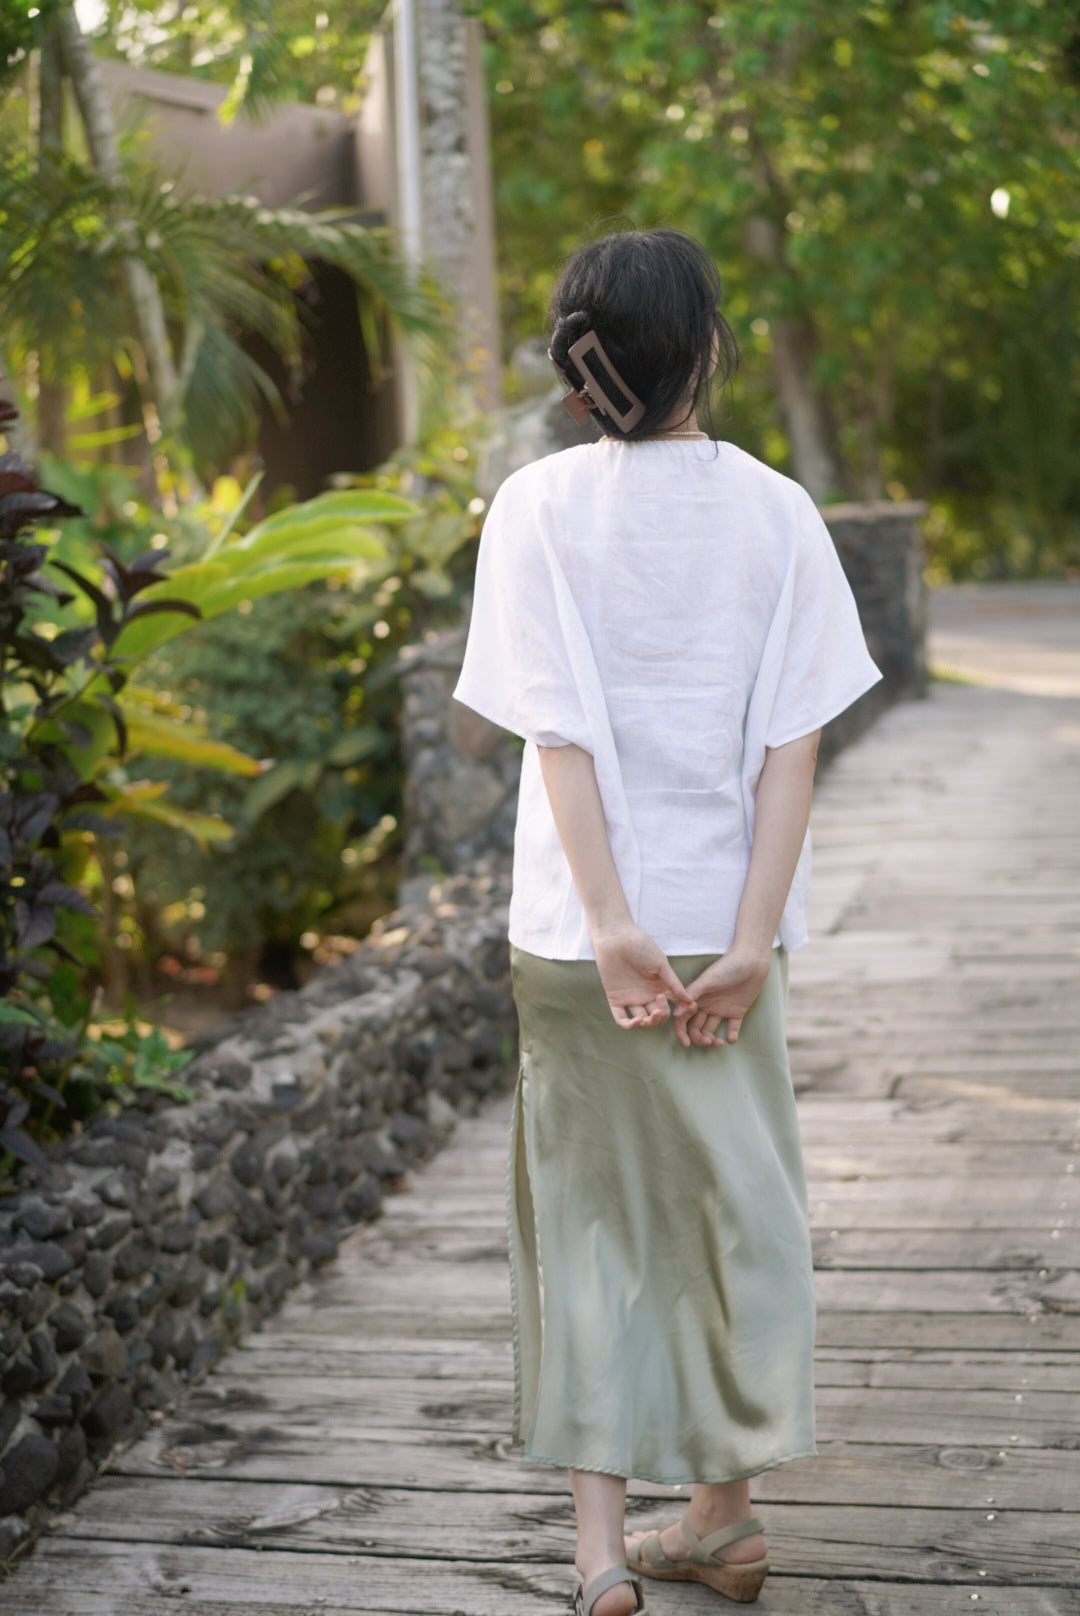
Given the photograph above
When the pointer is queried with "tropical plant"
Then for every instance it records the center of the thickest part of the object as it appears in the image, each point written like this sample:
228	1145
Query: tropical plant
71	720
312	681
226	267
106	260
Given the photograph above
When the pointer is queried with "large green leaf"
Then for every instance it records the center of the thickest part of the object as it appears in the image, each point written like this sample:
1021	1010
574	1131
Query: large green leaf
142	799
348	505
187	742
321	533
219	586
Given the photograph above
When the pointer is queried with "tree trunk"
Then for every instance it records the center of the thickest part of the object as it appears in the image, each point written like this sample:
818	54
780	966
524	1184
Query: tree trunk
802	403
143	290
454	239
447	179
50	401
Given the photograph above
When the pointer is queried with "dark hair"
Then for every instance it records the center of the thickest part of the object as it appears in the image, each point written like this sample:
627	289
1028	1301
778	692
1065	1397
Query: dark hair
653	299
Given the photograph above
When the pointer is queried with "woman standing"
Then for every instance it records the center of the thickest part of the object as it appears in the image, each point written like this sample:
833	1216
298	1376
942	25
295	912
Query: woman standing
665	622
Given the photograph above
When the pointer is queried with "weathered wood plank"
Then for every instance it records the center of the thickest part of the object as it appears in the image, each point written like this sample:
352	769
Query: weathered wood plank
948	1545
453	1244
436	1295
842	1472
94	1578
257	1435
491	1365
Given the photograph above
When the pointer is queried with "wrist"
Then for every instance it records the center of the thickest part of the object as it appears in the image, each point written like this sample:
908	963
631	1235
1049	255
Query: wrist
752	947
605	922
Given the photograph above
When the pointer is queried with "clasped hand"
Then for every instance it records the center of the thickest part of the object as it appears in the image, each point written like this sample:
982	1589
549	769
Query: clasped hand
639	983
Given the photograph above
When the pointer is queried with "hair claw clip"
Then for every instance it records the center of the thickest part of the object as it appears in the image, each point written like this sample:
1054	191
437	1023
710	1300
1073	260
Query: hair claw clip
578	402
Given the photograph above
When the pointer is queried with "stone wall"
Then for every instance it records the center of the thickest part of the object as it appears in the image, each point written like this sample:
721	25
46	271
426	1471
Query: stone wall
169	1230
880	548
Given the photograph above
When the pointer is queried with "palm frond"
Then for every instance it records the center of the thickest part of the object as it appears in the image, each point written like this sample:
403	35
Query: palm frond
227	267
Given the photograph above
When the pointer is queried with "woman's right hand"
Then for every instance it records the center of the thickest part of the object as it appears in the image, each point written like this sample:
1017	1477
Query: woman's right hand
637	977
724	991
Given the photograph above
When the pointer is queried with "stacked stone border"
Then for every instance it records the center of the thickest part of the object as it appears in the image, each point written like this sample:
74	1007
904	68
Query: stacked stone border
169	1231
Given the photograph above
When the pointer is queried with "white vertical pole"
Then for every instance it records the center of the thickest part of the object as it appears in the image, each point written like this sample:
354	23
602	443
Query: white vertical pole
409	178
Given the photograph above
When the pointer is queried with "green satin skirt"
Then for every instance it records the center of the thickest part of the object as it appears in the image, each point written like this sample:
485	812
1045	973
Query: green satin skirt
660	1263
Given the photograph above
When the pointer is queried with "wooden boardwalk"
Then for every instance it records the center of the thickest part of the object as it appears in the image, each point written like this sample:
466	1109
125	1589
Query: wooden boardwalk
352	1457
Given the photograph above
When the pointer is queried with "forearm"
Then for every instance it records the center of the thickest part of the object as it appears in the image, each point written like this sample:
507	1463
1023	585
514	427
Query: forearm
782	813
570	781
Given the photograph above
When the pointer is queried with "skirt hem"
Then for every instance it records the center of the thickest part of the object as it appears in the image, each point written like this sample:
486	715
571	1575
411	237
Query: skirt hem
664	1481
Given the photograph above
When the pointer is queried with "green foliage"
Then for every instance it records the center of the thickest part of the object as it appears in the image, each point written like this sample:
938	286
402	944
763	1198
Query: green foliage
227	268
309	684
901	181
132	1059
21	23
264	50
74	723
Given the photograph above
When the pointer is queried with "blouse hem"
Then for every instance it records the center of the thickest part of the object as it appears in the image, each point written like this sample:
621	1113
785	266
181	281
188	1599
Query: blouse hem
833	710
543	950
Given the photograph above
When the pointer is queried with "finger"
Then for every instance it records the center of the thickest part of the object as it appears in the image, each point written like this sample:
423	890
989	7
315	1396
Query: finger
659	1011
624	1015
697	1030
674	987
733	1028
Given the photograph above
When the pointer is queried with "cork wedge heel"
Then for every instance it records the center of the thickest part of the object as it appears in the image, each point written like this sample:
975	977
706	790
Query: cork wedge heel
741	1583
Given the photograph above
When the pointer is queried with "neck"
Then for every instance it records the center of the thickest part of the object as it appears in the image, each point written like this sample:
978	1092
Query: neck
681	423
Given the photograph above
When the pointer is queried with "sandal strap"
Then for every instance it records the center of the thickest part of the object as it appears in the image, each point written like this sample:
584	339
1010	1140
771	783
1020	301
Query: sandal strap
707	1546
651	1551
591	1592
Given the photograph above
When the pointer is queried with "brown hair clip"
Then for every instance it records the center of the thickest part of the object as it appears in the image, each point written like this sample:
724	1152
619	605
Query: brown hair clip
581	400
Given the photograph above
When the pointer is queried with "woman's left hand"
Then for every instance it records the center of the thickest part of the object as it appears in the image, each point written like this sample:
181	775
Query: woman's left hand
725	992
638	978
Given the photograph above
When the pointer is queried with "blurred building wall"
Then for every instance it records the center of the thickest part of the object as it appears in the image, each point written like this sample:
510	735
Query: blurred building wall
340	418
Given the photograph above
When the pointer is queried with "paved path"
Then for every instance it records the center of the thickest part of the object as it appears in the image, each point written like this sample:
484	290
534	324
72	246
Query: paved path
352	1457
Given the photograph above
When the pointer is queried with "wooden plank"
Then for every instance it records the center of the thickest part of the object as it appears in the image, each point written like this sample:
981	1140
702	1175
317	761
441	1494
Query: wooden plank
452	1244
956	1331
947	1545
238	1582
893	1156
841	1326
491	1364
435	1296
843	1471
943	1248
346	1409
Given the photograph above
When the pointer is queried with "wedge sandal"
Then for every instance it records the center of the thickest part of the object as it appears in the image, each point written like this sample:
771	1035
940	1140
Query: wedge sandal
588	1593
739	1582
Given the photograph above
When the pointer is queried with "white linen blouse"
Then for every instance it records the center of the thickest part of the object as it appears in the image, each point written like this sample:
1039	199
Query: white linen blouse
674	608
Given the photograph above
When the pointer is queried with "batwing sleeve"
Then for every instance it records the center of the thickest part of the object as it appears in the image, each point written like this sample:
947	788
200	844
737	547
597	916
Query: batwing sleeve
518	666
825	664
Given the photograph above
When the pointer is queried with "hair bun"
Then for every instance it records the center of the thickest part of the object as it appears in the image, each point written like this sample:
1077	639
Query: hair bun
568	327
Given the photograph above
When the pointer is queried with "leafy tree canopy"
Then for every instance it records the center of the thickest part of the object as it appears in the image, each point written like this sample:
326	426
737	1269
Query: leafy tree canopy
896	181
265	50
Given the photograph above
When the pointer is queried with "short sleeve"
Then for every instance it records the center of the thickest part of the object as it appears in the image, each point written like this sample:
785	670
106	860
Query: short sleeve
825	664
518	667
